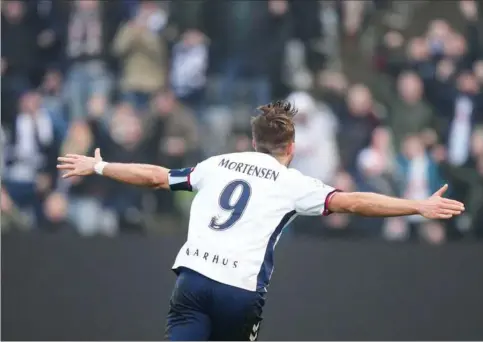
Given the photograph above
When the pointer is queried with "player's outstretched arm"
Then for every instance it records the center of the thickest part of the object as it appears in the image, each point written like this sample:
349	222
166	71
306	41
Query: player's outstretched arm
371	204
136	174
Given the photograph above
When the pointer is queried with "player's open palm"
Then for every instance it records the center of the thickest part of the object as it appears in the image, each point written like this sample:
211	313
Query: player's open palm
78	165
437	207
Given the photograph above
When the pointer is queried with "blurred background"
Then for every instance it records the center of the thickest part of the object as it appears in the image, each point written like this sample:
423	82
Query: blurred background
390	98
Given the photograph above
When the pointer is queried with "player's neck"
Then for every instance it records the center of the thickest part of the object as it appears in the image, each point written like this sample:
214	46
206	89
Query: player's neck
284	160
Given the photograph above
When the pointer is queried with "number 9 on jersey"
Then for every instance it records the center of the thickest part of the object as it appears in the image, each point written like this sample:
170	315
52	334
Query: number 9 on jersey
234	200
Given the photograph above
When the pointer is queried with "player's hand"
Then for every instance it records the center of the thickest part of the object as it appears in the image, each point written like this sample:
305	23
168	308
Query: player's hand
437	207
78	165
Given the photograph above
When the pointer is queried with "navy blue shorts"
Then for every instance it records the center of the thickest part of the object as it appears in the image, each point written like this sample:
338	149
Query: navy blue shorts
202	309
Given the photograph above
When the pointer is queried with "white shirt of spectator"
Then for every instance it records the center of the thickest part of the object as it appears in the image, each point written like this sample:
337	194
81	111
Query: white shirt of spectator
188	71
460	132
316	152
31	129
243	202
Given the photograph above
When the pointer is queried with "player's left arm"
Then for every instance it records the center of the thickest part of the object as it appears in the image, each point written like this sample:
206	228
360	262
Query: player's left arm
376	205
312	197
152	176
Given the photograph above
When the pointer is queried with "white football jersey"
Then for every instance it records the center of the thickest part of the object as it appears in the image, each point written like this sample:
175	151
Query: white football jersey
243	202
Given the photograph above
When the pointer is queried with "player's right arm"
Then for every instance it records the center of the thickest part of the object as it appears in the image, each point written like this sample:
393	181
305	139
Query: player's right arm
152	176
315	198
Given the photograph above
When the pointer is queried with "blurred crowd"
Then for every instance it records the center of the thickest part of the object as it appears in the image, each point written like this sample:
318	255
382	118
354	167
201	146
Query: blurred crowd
172	82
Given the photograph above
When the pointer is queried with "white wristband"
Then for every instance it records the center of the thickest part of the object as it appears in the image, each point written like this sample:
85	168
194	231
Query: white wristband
99	167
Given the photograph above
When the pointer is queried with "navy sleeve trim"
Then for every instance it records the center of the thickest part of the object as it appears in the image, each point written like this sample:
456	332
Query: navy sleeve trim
180	179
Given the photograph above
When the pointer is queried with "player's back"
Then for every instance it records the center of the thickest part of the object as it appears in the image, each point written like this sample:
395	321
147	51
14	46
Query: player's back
243	202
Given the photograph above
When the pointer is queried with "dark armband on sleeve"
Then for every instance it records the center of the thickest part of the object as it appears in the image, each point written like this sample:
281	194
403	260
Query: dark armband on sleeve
179	179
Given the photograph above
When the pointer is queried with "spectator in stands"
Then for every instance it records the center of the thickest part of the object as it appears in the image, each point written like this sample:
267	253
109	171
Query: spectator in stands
407	111
419	58
142	52
19	48
390	54
44	18
376	172
316	151
455	48
309	29
376	164
87	30
357	123
30	154
469	177
331	88
85	194
467	106
245	37
86	211
438	34
353	13
181	138
419	178
51	91
53	98
474	34
55	213
188	70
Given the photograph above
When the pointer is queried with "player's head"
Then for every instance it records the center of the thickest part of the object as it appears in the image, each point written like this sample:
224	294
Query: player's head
273	130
